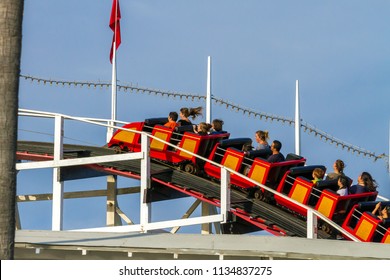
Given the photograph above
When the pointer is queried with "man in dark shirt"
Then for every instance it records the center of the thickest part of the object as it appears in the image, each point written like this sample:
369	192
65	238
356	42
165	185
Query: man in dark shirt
276	156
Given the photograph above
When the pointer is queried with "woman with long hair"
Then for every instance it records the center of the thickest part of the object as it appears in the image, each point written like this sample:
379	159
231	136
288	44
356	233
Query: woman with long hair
365	184
185	113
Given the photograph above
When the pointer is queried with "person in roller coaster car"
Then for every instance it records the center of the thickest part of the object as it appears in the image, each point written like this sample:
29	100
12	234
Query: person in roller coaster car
185	113
202	128
172	118
343	184
338	168
261	138
318	175
365	184
216	127
276	156
383	212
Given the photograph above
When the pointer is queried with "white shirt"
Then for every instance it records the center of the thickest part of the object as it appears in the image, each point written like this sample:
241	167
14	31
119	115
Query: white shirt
342	192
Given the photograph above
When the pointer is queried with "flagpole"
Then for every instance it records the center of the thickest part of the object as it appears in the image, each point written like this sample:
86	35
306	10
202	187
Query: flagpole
110	129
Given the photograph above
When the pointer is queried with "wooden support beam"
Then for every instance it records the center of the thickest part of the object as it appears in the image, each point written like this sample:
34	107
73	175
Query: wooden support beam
206	228
124	217
188	214
112	218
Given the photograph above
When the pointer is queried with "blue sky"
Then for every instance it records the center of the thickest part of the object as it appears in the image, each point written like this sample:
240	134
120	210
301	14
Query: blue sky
338	50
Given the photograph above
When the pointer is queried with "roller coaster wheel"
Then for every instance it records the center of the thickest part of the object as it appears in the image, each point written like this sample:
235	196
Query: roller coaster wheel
268	197
258	194
326	228
190	168
116	149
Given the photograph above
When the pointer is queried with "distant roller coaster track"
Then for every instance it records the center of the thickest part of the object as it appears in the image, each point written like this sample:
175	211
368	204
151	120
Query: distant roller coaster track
308	128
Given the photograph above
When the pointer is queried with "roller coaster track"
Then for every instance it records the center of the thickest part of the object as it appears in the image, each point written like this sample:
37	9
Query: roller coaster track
166	180
308	128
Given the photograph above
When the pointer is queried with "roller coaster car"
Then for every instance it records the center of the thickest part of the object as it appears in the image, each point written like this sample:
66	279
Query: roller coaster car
269	174
124	140
189	141
180	137
336	207
229	154
297	184
364	225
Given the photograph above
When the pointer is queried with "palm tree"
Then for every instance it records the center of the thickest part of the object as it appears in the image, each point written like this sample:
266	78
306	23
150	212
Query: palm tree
11	14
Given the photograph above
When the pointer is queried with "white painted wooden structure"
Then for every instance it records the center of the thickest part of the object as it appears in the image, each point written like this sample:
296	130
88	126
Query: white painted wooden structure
145	224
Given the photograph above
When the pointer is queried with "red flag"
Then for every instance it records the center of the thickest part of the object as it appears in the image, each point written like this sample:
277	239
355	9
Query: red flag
115	26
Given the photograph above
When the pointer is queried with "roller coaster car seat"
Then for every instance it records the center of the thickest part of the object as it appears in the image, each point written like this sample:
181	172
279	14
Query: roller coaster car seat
305	171
320	187
337	207
366	226
150	123
370	228
184	128
292	156
279	169
179	131
299	191
294	172
357	210
274	174
386	223
251	155
127	140
163	133
208	143
234	143
370	205
224	144
263	153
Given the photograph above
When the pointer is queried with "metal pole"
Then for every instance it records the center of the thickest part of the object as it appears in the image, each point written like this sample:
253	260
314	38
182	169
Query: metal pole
145	206
58	185
311	225
110	129
225	194
208	93
297	121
